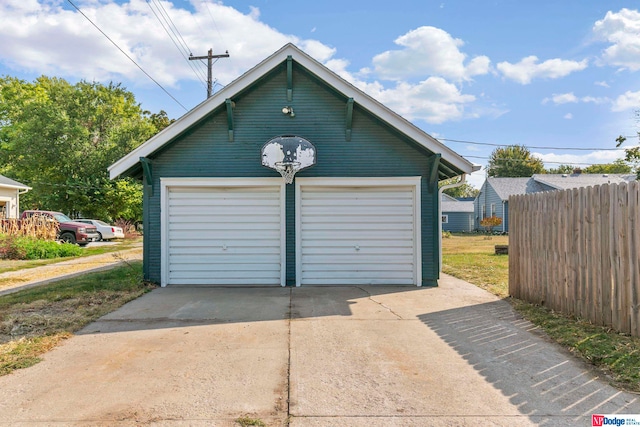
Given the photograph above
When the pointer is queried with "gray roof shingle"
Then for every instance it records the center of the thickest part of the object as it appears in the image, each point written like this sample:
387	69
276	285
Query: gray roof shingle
567	181
457	206
506	187
8	182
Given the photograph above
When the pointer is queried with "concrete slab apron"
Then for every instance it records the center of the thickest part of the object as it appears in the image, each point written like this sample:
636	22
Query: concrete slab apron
453	355
186	356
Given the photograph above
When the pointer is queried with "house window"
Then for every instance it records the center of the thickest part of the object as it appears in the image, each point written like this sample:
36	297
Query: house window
493	209
445	219
484	211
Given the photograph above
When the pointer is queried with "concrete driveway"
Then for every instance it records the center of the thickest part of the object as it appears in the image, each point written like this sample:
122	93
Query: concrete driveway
340	356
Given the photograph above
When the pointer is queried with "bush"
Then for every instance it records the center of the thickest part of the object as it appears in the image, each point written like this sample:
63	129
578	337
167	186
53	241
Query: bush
16	247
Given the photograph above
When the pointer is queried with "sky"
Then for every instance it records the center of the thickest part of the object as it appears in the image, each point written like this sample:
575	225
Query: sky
559	77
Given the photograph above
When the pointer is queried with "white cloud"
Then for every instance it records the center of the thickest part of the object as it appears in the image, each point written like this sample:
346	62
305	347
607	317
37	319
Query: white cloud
621	30
602	83
529	68
627	101
566	98
587	158
429	51
478	178
562	98
42	37
568	116
433	100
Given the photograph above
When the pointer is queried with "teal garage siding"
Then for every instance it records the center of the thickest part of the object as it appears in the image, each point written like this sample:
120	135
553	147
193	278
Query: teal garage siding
375	150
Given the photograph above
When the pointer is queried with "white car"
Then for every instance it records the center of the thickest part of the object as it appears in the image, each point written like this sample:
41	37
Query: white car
106	231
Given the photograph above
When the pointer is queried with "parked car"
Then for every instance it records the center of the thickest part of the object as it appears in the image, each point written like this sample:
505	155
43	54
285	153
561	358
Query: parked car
106	231
68	230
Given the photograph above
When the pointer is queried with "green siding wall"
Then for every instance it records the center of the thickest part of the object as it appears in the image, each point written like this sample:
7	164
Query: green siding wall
375	150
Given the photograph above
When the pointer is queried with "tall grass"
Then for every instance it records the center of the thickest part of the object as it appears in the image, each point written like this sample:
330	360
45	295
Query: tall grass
37	226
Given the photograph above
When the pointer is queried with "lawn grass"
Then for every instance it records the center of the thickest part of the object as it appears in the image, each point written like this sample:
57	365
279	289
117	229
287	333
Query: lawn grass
615	355
15	265
35	320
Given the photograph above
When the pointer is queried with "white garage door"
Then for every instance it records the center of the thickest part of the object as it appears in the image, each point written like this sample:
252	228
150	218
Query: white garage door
224	235
358	235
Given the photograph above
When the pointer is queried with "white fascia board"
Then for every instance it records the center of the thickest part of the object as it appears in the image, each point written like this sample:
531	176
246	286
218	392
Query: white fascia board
248	78
15	187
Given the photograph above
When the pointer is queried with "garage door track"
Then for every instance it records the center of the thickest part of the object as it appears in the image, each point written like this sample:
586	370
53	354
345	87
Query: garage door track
317	356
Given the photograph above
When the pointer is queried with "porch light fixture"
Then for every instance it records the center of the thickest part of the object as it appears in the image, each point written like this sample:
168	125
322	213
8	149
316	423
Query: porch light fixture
288	110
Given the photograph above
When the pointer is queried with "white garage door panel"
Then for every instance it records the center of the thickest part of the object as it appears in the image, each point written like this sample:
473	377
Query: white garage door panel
357	235
224	235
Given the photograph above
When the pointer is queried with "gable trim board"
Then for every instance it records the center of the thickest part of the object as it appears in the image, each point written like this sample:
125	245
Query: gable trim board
244	246
126	164
357	231
193	160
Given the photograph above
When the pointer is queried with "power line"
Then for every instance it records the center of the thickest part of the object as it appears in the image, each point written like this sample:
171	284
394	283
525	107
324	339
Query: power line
534	147
177	39
507	159
128	57
215	25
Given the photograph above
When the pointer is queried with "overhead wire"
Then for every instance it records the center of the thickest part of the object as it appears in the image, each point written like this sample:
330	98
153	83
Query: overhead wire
177	39
533	146
215	24
127	55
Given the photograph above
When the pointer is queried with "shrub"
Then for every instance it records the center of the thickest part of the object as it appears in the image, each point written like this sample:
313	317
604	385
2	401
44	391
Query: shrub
490	222
446	234
18	247
128	228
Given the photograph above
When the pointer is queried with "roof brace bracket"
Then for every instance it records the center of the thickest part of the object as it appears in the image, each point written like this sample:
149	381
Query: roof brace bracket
433	173
230	104
289	78
148	172
349	119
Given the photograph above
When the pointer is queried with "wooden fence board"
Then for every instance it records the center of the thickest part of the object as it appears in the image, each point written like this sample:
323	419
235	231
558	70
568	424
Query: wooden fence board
578	251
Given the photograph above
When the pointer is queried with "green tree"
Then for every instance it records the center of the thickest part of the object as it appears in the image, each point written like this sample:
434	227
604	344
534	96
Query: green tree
60	138
618	166
561	169
514	161
464	190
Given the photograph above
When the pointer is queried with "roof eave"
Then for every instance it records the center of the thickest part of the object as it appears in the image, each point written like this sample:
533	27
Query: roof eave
199	112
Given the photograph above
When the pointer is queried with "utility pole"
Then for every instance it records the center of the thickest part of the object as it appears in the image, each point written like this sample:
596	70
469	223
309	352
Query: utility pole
209	57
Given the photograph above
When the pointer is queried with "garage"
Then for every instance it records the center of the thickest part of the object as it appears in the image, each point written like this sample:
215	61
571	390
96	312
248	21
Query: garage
358	231
291	176
223	232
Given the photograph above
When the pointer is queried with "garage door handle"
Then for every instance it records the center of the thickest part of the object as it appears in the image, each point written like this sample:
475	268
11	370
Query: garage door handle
224	247
357	248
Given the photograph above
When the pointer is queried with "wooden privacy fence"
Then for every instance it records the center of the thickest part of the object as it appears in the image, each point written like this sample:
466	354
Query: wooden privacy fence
576	251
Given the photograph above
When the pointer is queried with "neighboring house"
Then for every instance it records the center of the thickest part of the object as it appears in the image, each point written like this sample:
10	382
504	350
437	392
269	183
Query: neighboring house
10	192
365	211
457	215
493	198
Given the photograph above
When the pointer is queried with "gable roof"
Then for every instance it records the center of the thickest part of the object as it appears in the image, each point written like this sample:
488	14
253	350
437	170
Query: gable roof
451	163
9	183
567	181
458	206
505	187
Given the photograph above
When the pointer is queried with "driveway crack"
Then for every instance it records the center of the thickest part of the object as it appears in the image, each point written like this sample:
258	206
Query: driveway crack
379	303
288	419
